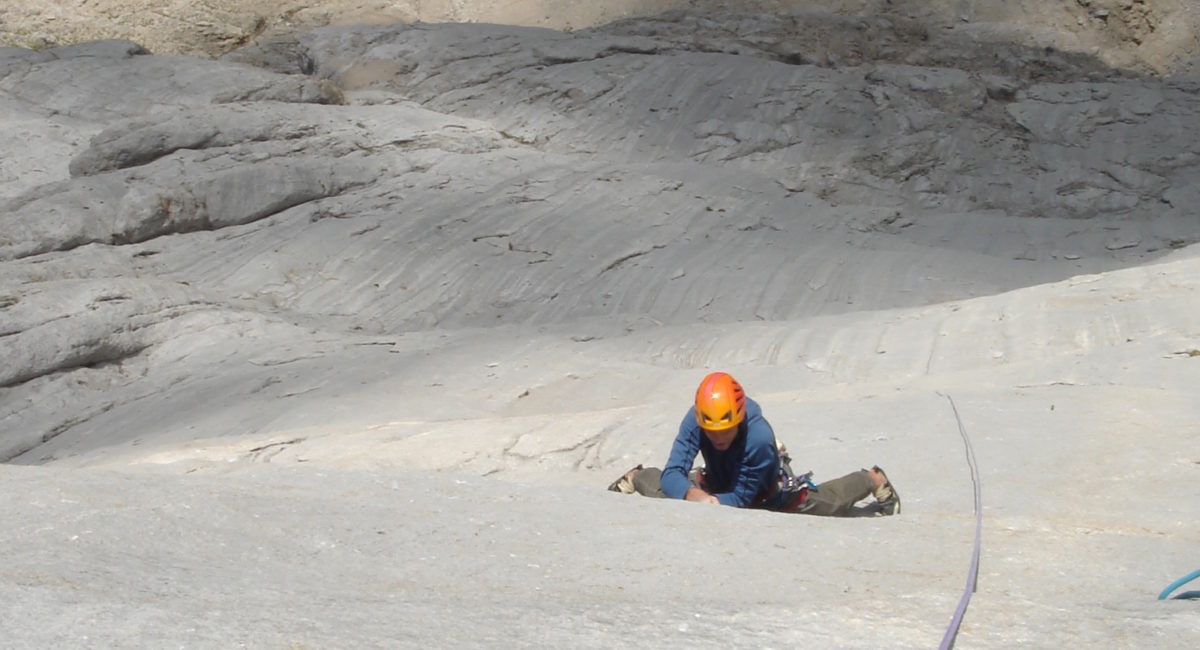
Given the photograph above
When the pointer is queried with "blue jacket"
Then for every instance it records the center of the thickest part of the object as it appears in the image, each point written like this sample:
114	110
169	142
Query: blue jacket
736	476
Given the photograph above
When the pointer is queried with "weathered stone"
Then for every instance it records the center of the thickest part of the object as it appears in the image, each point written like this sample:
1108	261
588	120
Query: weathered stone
403	178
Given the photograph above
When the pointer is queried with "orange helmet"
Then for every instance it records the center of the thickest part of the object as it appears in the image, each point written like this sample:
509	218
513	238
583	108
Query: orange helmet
720	402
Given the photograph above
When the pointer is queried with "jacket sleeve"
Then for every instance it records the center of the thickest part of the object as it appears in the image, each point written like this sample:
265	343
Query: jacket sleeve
674	479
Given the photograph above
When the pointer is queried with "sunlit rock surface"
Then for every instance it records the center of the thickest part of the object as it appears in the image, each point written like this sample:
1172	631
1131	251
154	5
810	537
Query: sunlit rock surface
371	316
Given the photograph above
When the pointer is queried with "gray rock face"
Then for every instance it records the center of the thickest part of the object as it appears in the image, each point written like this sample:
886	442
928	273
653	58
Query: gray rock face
370	315
1159	36
459	176
923	135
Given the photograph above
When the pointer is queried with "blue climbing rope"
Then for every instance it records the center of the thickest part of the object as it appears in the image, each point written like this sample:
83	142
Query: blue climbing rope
1179	583
973	572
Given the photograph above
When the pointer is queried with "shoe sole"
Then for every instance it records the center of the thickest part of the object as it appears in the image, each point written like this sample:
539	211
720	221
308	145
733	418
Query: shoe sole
890	507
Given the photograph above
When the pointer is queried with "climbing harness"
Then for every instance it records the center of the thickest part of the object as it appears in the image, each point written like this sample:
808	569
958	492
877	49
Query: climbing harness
792	483
973	572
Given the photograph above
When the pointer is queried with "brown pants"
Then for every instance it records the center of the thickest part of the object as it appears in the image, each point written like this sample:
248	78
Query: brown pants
835	498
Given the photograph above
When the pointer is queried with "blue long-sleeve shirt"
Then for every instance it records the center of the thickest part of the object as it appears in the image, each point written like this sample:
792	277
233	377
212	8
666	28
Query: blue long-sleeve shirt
736	476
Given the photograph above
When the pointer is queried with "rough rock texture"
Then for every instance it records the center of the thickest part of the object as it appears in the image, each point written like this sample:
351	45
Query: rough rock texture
1161	36
368	316
518	175
938	135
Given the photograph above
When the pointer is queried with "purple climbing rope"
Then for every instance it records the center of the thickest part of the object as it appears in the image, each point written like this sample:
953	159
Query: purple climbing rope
973	572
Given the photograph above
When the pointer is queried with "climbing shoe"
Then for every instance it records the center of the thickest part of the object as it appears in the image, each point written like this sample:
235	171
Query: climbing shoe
886	497
624	485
